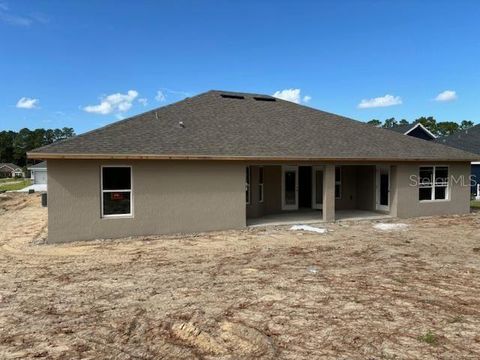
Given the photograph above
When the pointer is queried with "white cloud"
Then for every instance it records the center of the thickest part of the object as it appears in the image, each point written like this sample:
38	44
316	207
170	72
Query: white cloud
382	101
11	19
114	103
292	95
27	103
160	96
143	101
447	95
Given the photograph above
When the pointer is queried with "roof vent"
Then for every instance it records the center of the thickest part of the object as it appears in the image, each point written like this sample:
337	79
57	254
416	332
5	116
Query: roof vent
261	98
181	124
231	96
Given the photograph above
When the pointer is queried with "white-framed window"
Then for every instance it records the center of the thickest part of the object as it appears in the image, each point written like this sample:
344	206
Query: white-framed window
116	191
247	184
338	182
433	183
260	184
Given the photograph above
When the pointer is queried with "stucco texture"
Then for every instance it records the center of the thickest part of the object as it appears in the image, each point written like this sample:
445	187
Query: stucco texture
405	202
193	196
168	197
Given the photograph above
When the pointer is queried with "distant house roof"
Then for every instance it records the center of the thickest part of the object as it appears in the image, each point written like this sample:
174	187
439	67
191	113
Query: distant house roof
10	166
401	128
413	129
241	126
40	166
467	140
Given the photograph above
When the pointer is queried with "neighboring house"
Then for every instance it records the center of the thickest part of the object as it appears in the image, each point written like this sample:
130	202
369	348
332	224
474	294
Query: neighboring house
220	159
38	173
416	130
9	170
467	140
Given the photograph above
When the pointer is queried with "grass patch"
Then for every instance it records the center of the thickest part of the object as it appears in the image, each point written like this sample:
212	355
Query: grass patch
475	204
16	186
4	180
429	338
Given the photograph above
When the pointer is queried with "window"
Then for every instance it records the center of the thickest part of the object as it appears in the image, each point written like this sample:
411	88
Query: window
247	185
116	191
433	183
338	182
260	184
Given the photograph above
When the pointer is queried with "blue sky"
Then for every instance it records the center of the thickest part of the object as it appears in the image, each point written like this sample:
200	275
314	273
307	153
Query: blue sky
84	64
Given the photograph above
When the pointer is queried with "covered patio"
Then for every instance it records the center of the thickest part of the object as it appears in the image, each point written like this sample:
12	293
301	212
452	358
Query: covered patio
289	194
313	216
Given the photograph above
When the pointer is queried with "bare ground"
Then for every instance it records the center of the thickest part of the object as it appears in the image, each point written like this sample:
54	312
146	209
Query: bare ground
354	293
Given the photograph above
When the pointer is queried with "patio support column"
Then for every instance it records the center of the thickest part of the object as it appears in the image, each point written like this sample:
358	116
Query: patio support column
328	209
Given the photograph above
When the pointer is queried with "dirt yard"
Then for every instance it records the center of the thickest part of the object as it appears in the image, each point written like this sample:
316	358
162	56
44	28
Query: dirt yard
353	293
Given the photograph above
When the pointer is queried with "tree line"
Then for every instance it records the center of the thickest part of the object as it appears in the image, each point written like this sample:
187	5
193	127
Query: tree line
443	128
14	145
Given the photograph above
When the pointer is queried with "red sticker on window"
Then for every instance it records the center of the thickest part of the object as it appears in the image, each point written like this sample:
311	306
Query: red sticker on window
116	196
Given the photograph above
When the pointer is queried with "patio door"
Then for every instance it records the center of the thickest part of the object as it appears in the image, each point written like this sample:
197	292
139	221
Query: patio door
289	187
317	187
383	188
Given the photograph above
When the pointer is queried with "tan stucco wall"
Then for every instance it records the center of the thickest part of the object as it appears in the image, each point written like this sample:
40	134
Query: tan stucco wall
348	186
405	197
365	186
273	189
191	196
168	197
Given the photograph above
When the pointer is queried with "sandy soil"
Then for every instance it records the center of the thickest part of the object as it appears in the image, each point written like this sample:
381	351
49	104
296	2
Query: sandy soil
353	293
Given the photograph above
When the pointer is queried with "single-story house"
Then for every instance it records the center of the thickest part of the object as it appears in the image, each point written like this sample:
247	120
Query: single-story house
416	130
9	170
222	160
38	173
467	140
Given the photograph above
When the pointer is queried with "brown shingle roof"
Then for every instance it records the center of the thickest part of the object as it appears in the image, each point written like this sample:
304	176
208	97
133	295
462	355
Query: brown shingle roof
213	126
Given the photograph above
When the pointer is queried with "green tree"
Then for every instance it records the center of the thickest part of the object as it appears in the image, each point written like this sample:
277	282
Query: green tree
446	128
6	146
389	123
67	132
375	122
403	122
15	145
465	124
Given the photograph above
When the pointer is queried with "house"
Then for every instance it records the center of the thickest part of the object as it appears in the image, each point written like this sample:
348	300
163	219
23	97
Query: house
223	160
467	140
9	170
38	173
416	130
